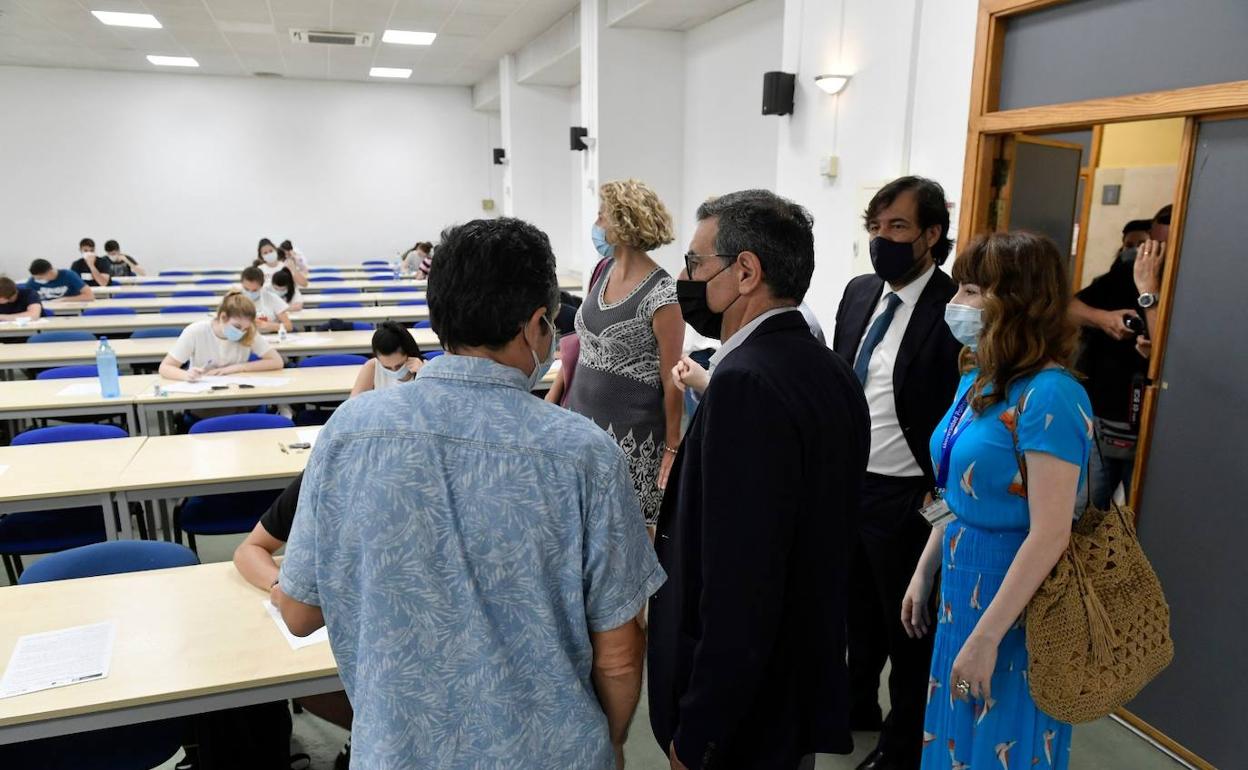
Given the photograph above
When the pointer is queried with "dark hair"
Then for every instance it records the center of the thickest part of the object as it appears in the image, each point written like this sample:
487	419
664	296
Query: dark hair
282	279
111	246
259	246
425	246
40	266
86	242
492	274
287	245
7	287
1162	217
776	229
391	337
1137	226
930	205
252	273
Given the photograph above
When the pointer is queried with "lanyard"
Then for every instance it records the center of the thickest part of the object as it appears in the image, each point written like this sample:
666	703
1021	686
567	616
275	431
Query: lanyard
957	426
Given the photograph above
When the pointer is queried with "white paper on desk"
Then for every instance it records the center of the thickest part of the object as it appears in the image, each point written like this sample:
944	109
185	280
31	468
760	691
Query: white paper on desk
3	468
296	643
259	382
59	658
308	434
80	389
298	339
185	387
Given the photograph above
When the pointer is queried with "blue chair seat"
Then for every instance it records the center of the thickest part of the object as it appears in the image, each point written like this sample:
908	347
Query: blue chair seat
108	311
176	272
193	293
393	289
432	354
413	303
340	290
186	309
140	295
333	359
368	262
159	283
212	281
68	372
62	335
340	304
423	325
34	532
158	331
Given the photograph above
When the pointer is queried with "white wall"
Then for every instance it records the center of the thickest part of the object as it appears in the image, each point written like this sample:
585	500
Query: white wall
193	170
729	144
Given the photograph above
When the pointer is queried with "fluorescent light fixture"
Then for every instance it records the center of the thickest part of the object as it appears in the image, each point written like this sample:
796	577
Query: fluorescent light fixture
117	19
408	37
831	84
390	72
173	61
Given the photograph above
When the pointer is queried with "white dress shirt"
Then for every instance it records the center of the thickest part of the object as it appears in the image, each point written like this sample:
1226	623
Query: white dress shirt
890	454
734	342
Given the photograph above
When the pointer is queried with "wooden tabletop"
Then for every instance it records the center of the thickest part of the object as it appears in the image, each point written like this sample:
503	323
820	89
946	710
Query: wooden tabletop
155	304
309	381
180	633
30	395
40	471
212	458
362	282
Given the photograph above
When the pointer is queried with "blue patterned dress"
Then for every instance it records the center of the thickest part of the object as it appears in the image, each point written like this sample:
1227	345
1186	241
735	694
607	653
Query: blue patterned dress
986	492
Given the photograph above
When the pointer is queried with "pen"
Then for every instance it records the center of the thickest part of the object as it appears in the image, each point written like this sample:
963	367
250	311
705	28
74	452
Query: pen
282	447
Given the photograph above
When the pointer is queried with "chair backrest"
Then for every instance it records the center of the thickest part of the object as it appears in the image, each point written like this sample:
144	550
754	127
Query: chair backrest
413	303
432	354
341	304
108	311
59	434
333	359
109	558
361	326
422	325
399	288
218	271
194	293
140	295
67	372
374	262
340	290
62	335
158	331
326	278
176	272
213	281
159	283
247	421
186	309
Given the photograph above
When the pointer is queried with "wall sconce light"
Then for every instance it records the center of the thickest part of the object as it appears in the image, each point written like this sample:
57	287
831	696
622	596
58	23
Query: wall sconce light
831	84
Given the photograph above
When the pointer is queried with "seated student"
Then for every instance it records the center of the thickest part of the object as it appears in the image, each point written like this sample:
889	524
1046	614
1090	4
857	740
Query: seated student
301	261
272	260
283	285
18	301
122	264
100	269
271	309
396	359
221	345
50	283
418	260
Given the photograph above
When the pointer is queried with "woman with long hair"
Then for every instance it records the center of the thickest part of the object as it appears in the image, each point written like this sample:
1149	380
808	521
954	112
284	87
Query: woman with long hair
221	345
272	260
1010	457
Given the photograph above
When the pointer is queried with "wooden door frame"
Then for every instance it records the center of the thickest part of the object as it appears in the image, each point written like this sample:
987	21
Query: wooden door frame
985	131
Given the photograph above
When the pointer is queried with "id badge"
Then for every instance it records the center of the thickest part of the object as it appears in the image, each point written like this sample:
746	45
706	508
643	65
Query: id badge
937	513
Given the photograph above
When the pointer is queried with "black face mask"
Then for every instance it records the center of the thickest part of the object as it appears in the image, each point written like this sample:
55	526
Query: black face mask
693	307
894	261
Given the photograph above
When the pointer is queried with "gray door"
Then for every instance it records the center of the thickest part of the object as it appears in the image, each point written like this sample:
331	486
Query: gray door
1041	192
1194	512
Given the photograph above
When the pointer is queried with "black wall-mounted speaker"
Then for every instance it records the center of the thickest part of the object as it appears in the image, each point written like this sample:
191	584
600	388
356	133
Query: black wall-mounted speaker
577	138
778	93
500	156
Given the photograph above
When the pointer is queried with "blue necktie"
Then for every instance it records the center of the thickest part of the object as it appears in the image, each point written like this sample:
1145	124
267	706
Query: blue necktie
874	335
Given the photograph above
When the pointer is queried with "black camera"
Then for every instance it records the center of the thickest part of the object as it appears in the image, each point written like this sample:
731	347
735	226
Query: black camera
1135	324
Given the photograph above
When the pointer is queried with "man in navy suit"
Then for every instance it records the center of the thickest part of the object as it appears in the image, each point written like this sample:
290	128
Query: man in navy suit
891	328
747	638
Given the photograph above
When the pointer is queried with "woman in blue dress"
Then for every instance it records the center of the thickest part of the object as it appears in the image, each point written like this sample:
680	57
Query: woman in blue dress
1009	525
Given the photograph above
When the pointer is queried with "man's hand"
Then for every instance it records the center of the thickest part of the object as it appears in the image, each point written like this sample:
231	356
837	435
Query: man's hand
1148	262
675	760
1144	346
1114	323
688	373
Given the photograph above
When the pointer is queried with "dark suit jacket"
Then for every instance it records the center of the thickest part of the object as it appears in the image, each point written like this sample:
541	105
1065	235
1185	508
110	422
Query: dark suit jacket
747	637
925	377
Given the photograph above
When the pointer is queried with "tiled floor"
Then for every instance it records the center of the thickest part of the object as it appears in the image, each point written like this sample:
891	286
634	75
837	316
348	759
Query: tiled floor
1103	745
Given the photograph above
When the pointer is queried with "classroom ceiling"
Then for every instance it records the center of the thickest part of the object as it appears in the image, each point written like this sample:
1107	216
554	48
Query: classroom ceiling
672	14
245	37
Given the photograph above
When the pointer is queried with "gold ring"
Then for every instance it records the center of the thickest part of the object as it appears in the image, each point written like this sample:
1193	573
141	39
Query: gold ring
963	686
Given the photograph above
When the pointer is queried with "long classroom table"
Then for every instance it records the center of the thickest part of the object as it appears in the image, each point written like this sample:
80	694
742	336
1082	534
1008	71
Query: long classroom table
364	283
189	640
63	307
58	399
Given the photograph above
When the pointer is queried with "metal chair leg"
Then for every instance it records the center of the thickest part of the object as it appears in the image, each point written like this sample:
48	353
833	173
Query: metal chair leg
19	567
8	570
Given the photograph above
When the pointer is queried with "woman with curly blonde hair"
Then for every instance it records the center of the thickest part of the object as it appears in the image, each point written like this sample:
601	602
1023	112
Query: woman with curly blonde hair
631	332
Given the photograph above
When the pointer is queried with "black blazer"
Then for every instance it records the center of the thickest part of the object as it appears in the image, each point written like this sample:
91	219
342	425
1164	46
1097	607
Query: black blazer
925	377
747	637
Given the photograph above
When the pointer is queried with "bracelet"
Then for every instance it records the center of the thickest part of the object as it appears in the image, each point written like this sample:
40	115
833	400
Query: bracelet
674	451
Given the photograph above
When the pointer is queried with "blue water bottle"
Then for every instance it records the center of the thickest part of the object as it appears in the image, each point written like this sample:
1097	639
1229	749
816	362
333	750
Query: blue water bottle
106	363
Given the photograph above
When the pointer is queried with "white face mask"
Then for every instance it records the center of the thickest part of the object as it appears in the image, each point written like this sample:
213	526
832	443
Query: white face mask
269	257
540	367
252	295
966	323
395	374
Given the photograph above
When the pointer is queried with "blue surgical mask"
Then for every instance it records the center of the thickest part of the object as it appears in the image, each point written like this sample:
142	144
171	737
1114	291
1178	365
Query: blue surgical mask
540	368
254	296
394	374
270	257
232	332
966	323
600	242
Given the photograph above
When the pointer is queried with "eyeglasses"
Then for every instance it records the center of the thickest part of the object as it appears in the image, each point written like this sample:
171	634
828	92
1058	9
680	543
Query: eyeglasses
694	261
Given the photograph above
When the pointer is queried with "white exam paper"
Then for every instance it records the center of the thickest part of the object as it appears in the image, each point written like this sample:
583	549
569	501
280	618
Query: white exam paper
58	658
308	434
81	389
259	382
3	468
298	339
295	642
185	387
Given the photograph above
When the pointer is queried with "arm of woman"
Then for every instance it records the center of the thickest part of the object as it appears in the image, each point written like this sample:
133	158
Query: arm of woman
914	615
1051	486
364	380
171	369
669	329
254	558
284	322
268	362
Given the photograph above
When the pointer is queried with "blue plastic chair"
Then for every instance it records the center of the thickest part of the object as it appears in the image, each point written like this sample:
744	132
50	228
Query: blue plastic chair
133	746
340	304
413	303
423	325
186	309
340	290
212	281
229	514
62	335
333	359
322	269
159	283
32	532
217	271
361	326
109	311
197	293
176	272
393	289
326	278
159	331
368	262
68	372
432	354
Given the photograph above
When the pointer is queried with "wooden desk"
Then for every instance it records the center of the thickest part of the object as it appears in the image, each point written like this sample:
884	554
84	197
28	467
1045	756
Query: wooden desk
62	307
139	280
28	399
43	477
106	325
189	640
317	384
363	282
132	351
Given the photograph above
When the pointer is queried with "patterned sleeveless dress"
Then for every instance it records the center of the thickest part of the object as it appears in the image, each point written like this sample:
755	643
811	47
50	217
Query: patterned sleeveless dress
618	384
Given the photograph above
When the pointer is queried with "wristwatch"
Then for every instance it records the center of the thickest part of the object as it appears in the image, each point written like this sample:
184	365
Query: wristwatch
1147	300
